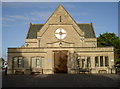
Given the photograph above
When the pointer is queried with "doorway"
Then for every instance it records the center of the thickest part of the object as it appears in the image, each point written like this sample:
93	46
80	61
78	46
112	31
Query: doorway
60	62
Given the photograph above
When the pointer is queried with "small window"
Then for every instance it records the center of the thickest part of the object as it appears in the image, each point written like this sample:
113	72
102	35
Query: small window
101	61
32	62
106	61
96	62
88	62
14	62
37	61
83	61
20	62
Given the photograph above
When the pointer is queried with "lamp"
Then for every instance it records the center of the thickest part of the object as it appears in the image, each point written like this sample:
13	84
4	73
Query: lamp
60	44
82	38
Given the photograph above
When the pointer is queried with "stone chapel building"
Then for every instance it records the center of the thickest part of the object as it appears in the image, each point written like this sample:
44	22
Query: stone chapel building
61	45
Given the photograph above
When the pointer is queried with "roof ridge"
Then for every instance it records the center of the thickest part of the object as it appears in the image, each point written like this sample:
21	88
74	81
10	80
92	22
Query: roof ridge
56	11
37	24
84	23
28	30
93	30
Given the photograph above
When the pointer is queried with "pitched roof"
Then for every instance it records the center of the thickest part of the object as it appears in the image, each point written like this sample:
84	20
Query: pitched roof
86	28
33	29
57	17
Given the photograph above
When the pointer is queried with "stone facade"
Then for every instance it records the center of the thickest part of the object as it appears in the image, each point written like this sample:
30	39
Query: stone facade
60	45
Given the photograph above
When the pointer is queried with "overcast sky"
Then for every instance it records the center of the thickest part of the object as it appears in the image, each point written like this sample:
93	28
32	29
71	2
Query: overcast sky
17	16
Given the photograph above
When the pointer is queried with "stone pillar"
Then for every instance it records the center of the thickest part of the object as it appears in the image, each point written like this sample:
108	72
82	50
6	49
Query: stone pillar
9	69
111	61
27	65
99	61
69	61
93	69
92	61
48	63
85	62
103	61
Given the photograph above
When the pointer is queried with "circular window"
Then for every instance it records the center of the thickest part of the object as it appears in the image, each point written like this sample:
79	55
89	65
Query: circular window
60	33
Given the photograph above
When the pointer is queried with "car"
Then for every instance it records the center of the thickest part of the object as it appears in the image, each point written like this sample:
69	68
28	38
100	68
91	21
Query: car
1	66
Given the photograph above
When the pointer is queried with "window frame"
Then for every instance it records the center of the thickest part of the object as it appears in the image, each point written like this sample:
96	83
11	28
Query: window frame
88	61
107	61
96	63
101	61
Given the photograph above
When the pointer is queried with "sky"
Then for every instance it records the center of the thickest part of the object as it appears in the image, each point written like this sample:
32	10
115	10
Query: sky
16	18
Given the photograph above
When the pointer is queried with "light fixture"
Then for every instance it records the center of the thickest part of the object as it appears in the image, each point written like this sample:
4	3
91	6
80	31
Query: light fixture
82	38
60	44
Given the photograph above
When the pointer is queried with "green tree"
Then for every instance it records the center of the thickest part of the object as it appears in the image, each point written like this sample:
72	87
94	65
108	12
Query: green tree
110	40
2	61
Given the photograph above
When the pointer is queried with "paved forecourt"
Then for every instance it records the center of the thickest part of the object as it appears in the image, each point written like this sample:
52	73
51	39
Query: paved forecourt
61	80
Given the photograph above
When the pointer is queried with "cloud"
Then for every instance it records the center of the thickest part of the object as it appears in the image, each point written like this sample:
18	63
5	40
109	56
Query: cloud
80	14
35	16
19	17
0	18
28	4
7	19
16	4
32	16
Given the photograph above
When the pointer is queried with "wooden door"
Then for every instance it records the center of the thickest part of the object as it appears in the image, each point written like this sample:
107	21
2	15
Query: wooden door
60	62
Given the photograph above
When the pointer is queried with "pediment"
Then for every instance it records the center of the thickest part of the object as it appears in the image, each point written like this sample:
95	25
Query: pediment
60	17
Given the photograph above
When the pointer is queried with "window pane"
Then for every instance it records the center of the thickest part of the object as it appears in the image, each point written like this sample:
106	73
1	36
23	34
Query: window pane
20	60
88	62
32	62
106	61
83	60
38	62
14	62
101	61
96	61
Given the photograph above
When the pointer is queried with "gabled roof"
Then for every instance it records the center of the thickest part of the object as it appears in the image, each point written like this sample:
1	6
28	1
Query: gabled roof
87	28
60	16
33	29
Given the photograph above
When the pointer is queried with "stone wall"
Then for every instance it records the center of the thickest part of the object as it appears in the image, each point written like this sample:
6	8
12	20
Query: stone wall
48	54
